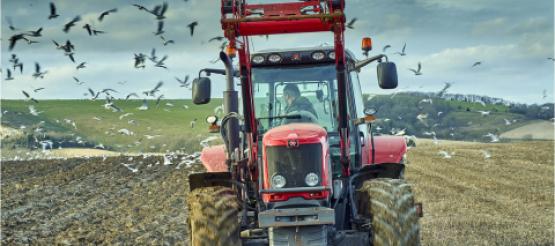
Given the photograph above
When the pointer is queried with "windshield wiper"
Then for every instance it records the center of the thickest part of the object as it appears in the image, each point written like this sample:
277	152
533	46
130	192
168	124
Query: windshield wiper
292	116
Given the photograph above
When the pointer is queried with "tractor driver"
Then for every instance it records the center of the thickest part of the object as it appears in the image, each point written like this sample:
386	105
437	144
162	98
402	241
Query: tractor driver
296	102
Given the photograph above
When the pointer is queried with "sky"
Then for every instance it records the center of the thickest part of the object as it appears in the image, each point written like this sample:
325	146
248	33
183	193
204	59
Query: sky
512	39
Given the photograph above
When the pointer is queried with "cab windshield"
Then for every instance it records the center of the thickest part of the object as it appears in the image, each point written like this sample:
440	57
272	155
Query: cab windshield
314	102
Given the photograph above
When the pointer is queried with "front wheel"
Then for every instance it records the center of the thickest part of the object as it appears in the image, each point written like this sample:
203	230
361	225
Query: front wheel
213	217
390	205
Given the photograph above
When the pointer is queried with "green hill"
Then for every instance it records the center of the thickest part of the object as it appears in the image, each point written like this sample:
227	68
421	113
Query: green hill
168	126
448	119
85	123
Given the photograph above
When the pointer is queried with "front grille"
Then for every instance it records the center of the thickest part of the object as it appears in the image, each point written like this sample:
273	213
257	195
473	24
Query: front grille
294	163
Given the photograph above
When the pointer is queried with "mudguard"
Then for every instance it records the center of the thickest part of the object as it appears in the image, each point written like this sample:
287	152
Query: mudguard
388	149
213	158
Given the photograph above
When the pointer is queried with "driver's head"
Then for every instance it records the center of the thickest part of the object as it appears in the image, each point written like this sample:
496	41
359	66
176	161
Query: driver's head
290	93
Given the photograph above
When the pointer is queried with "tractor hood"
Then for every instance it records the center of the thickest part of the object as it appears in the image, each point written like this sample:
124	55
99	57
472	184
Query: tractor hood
295	134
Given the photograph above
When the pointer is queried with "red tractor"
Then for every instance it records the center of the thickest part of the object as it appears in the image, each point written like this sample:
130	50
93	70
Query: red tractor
300	165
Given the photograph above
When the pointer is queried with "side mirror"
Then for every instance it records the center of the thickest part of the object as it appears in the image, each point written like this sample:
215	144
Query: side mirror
201	90
387	75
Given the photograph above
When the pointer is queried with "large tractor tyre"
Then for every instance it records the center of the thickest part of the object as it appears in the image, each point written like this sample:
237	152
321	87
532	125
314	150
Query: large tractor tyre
213	217
390	205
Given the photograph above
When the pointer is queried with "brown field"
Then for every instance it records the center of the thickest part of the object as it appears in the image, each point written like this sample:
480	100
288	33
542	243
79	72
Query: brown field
505	200
469	200
541	130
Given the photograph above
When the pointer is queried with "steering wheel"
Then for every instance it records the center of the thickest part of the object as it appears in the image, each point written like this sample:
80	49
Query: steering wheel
306	117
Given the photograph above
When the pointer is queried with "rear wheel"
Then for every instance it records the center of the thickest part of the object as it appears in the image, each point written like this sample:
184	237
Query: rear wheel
390	204
213	217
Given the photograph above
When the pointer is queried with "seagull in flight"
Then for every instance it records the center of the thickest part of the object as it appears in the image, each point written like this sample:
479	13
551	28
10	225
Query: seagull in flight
184	82
494	138
386	47
417	71
478	63
8	75
446	154
28	97
38	73
53	13
70	24
154	90
484	113
105	13
402	53
351	23
192	26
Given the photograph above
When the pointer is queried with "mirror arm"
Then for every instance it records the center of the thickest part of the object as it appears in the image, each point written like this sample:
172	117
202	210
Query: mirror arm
363	63
210	71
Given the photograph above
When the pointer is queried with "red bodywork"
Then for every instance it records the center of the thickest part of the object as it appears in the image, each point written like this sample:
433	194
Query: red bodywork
292	135
213	158
388	149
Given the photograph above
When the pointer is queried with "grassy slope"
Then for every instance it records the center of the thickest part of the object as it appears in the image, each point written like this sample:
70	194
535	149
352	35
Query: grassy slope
469	200
468	125
174	126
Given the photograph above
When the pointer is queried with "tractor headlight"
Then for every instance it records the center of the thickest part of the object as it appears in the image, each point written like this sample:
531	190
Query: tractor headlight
258	59
278	181
331	55
311	179
274	58
318	55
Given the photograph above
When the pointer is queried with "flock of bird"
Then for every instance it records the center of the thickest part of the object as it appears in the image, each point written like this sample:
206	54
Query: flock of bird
423	117
68	48
140	62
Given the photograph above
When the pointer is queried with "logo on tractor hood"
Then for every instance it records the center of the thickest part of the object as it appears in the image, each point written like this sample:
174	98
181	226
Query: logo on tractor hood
292	140
292	143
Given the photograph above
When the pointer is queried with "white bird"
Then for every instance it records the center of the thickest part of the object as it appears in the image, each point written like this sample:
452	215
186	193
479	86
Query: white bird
149	137
167	160
45	144
435	140
219	110
125	115
96	118
132	169
426	100
481	102
169	104
484	113
422	118
446	154
125	131
99	146
205	143
33	111
486	154
494	138
144	106
432	133
401	132
507	122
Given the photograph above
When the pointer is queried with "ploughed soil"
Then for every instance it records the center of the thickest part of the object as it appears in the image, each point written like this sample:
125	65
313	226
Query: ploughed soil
468	199
95	201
